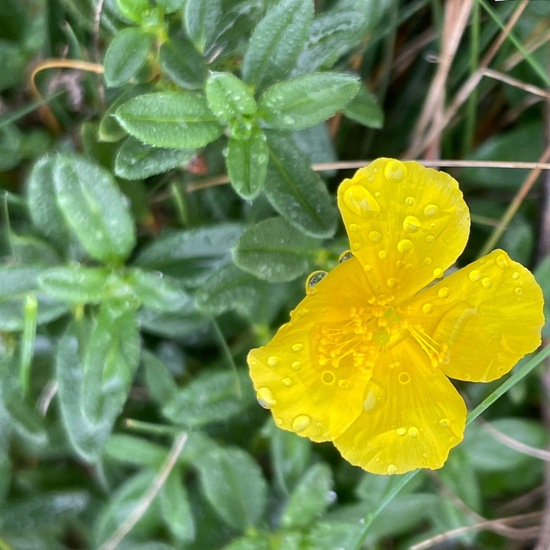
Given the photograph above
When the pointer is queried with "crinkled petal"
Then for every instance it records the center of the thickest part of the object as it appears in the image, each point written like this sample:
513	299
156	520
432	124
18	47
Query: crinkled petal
482	318
406	224
412	415
312	375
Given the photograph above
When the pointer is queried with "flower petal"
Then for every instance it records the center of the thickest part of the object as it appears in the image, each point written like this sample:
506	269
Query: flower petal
406	223
485	317
312	375
412	415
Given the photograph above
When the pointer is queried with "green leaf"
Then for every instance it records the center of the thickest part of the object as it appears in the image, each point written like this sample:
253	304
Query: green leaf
30	250
274	251
94	208
201	18
158	378
111	358
126	55
135	450
193	254
310	498
173	325
276	42
364	109
11	140
157	291
247	163
43	209
228	97
307	100
295	190
183	63
210	397
177	120
230	288
175	508
233	484
136	160
81	285
134	10
170	6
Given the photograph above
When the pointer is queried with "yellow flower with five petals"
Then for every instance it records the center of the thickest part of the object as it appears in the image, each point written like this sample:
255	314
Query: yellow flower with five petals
365	360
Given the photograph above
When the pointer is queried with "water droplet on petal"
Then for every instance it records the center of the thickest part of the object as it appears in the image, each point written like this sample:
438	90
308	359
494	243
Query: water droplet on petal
474	275
404	378
345	256
356	246
373	397
444	423
382	254
287	381
296	365
404	245
411	224
360	201
395	170
518	291
401	431
502	261
430	238
427	308
486	282
431	210
272	361
353	227
391	282
410	201
314	279
279	421
443	292
265	398
392	469
427	261
375	236
328	377
413	432
300	423
297	347
438	273
515	275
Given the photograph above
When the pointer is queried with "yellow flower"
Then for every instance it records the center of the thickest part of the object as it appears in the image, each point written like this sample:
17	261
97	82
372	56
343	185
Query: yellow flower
364	360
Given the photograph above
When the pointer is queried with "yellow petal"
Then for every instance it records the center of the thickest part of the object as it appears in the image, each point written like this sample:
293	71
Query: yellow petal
483	318
313	373
406	224
412	415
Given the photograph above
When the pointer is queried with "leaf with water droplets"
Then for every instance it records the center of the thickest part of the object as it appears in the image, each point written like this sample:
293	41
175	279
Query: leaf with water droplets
201	18
247	163
364	108
274	250
307	100
276	42
94	208
182	63
177	120
136	160
229	97
84	285
295	190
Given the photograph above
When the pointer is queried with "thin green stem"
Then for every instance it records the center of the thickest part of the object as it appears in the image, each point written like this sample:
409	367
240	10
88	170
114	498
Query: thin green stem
27	342
228	356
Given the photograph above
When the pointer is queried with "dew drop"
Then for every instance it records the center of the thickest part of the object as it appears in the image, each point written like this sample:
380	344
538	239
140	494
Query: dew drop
438	273
518	291
404	245
300	423
474	275
443	292
502	261
382	254
314	279
353	227
515	275
375	236
287	381
411	224
444	423
413	432
392	469
297	347
486	282
328	377
360	201
265	398
394	364
272	361
409	201
296	365
344	384
395	170
401	431
279	421
367	268
345	256
431	210
427	261
356	246
404	378
391	282
430	238
427	308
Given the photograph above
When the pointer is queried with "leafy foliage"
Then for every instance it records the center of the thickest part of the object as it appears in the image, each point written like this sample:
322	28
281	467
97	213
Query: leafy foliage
160	212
